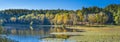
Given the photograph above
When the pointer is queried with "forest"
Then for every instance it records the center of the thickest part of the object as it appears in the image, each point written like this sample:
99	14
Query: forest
87	15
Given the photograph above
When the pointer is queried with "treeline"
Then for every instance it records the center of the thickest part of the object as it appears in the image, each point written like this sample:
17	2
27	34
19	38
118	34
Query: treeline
91	15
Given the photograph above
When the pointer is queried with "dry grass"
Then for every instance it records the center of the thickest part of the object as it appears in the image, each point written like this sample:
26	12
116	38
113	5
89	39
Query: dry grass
98	34
86	28
108	33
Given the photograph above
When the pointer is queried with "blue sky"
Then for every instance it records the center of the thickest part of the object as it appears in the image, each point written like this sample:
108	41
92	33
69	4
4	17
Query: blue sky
54	4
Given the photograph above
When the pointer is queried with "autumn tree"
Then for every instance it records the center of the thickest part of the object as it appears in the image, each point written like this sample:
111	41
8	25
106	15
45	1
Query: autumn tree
99	18
103	18
80	15
13	19
65	18
92	18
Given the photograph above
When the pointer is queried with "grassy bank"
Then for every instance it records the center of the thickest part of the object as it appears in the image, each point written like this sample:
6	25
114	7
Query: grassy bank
108	33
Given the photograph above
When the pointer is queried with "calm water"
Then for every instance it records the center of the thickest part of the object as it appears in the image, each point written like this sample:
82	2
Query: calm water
25	33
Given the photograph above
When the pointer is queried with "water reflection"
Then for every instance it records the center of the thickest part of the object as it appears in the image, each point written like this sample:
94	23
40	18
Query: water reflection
61	30
25	34
28	31
3	38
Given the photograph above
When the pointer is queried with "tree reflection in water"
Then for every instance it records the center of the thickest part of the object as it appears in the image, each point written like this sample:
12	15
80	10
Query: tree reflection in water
2	38
43	32
61	29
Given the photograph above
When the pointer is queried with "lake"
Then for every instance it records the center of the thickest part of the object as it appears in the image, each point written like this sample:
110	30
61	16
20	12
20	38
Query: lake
26	33
50	33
